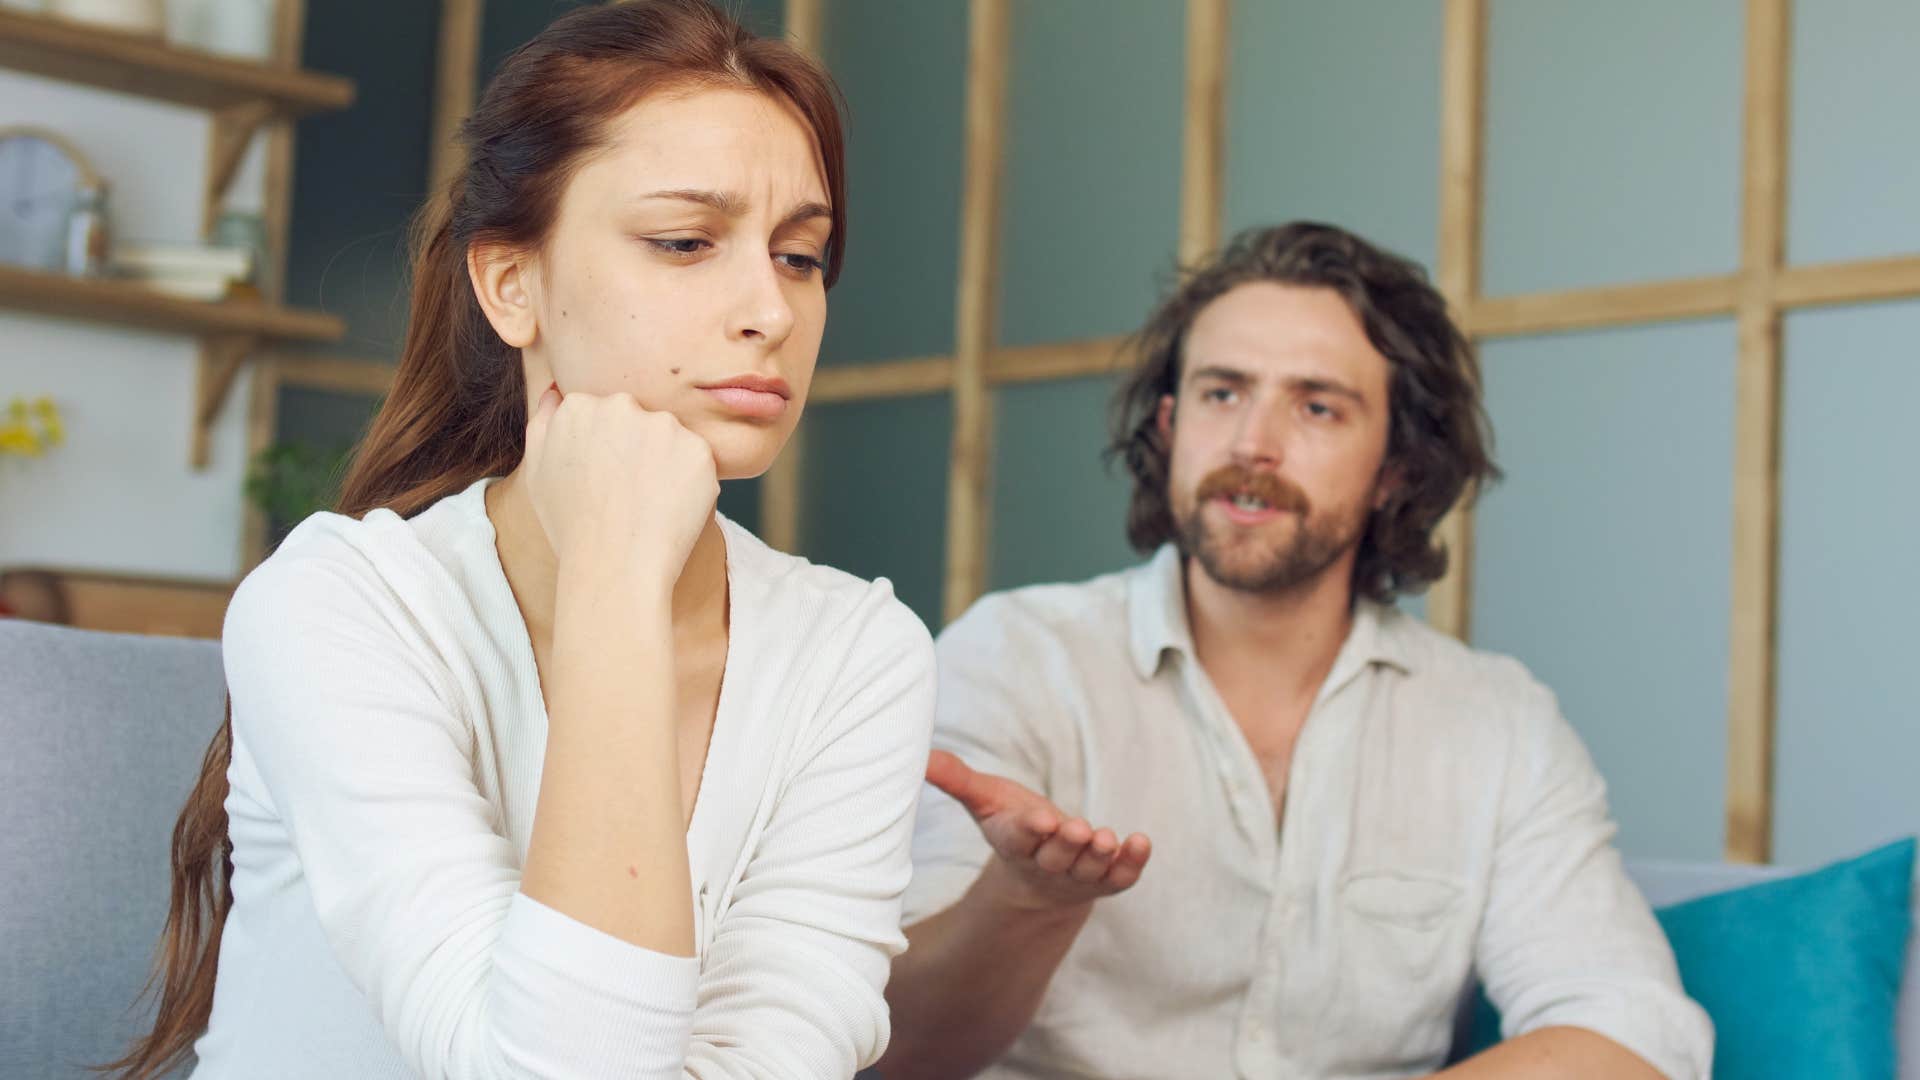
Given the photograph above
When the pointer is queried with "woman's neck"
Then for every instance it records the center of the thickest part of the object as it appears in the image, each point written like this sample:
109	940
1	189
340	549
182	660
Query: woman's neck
533	571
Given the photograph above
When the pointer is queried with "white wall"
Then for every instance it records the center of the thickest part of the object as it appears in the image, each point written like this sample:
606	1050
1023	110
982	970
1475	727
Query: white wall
120	496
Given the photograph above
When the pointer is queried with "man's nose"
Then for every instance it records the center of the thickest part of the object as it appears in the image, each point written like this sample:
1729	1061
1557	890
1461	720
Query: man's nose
1261	436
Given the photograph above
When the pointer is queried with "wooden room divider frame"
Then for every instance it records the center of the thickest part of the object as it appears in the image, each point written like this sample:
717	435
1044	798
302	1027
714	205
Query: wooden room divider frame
1756	295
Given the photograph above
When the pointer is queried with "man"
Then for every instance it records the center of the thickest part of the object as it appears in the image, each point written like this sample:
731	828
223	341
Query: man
1351	814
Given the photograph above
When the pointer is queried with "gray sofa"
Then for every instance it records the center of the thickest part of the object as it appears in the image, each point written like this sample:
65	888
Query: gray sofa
103	735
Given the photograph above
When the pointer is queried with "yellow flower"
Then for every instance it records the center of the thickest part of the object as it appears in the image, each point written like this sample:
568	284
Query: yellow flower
31	427
52	428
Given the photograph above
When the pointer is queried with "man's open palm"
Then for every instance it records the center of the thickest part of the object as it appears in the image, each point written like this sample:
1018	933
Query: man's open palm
1053	860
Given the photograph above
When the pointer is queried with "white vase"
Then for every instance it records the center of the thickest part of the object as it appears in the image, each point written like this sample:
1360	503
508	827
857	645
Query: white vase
131	16
238	28
185	20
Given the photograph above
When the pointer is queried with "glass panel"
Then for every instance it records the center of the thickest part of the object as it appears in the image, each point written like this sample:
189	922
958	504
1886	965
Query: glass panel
1853	159
903	70
1092	210
1333	114
1598	172
1601	561
874	494
1059	514
359	175
1846	731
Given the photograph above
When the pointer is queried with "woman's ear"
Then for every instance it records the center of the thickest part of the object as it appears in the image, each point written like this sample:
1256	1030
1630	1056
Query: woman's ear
503	281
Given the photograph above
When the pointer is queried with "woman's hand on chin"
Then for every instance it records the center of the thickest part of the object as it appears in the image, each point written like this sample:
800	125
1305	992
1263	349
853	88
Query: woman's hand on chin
612	483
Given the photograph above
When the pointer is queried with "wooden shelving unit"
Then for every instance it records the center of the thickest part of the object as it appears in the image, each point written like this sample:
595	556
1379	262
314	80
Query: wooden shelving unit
125	304
137	604
242	97
149	68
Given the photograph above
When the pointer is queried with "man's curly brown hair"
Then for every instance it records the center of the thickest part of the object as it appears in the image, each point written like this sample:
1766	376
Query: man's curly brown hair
1439	442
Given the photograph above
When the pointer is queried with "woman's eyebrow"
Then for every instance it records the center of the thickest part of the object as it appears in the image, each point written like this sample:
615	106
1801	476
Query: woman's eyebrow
726	202
734	206
805	212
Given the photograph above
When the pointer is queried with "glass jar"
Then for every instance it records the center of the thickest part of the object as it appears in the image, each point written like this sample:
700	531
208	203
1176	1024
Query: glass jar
87	236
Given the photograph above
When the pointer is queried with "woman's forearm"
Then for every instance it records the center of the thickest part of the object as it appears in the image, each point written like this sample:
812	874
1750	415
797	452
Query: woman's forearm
609	839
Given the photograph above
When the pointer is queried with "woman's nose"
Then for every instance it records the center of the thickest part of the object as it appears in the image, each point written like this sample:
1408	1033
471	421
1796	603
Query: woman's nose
762	312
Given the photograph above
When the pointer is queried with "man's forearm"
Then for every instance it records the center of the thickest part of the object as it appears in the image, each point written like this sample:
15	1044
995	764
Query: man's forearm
970	982
1557	1053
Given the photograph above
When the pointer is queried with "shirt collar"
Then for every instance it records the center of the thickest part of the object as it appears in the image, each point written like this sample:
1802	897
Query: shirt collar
1157	616
1157	611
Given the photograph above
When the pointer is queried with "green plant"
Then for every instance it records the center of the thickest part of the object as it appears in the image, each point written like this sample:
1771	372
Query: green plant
290	481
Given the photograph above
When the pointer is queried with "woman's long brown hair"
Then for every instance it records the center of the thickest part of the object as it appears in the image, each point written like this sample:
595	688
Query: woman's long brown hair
457	410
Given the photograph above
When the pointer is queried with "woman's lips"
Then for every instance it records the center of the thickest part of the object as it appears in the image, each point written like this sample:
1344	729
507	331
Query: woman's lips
756	397
754	404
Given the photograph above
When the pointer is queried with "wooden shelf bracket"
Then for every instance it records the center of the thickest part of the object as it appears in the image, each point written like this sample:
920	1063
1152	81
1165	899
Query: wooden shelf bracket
233	132
220	360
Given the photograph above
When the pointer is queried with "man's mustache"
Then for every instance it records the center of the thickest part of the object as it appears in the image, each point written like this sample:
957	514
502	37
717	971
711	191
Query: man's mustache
1271	488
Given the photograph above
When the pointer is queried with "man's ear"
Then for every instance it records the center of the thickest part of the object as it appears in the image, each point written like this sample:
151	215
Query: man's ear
1163	417
503	281
1388	487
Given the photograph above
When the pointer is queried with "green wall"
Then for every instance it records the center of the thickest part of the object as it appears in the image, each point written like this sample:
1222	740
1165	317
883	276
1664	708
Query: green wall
1612	155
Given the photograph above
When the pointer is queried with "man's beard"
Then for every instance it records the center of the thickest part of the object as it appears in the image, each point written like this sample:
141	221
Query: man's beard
1241	558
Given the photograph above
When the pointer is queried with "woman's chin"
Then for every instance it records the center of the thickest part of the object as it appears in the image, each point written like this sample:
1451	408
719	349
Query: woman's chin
741	449
740	459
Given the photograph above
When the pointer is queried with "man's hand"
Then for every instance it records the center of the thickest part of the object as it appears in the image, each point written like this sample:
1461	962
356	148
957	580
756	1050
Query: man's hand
974	974
1047	860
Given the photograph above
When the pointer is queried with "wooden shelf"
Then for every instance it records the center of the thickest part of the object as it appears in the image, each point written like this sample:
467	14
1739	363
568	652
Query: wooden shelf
243	97
127	604
126	304
229	331
149	67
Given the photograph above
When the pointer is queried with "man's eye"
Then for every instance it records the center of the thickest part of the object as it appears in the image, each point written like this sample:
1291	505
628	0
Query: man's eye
1218	395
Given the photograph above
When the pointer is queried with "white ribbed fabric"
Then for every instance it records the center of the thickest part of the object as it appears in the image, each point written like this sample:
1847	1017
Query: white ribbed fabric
388	737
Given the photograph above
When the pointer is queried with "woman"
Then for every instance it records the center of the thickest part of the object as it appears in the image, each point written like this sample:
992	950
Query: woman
539	767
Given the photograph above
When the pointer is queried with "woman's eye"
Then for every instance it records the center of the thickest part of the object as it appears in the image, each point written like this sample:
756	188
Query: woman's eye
805	264
680	245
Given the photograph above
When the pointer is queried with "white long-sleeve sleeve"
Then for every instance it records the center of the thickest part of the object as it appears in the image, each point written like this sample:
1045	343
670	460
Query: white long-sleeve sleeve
369	766
796	975
389	731
1566	939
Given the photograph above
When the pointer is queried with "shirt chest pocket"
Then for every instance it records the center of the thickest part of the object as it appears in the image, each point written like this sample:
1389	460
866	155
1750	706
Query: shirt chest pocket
1405	942
1401	923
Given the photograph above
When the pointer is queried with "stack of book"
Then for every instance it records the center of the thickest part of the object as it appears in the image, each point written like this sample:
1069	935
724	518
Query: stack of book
192	272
